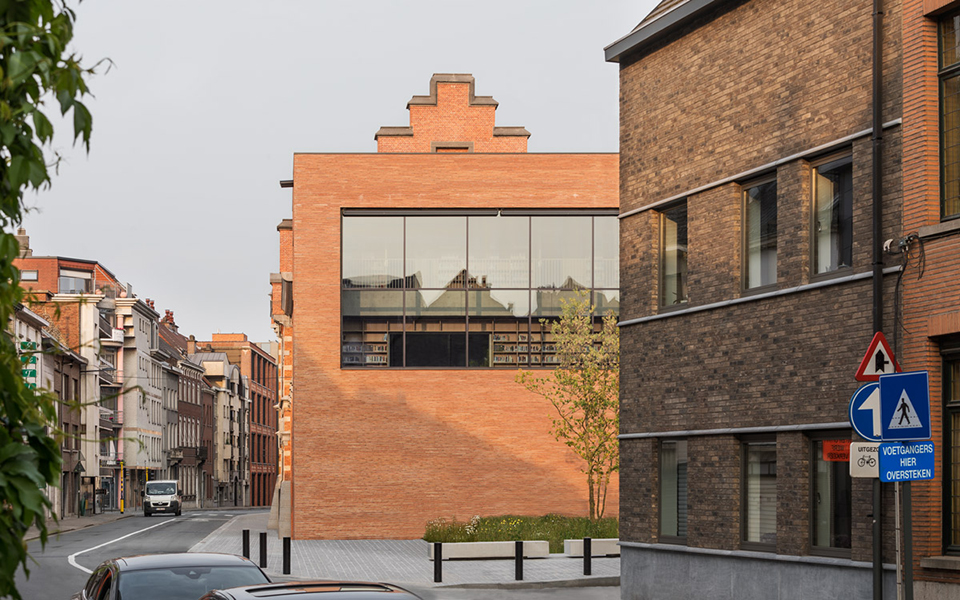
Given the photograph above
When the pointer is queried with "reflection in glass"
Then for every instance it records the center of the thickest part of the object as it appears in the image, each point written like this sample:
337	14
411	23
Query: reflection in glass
950	144
761	491
435	349
436	303
369	303
833	235
606	247
372	252
499	303
673	488
560	251
437	251
760	211
547	303
832	501
500	252
605	301
673	255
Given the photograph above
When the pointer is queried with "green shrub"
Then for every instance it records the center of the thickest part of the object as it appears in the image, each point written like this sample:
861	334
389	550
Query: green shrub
552	528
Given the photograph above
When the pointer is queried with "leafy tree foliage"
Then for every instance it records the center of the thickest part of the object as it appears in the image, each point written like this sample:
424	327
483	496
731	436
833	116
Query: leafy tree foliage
585	389
36	70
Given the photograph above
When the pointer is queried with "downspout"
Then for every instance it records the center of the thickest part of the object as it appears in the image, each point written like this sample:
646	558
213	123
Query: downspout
877	265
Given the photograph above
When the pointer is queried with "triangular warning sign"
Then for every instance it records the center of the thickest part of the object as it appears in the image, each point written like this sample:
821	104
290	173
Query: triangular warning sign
905	416
878	360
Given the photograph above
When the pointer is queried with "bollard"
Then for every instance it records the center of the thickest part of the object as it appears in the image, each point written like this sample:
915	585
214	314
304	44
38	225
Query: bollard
286	556
263	549
587	555
437	562
518	550
246	543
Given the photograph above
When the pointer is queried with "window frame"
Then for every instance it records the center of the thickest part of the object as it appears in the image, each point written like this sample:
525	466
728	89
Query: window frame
949	353
667	538
661	271
744	235
812	439
29	275
847	153
944	72
745	442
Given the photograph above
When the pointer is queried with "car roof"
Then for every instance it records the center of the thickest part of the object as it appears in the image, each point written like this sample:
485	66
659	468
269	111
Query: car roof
181	559
320	590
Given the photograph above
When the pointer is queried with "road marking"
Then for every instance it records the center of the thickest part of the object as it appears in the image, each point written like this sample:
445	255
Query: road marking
72	558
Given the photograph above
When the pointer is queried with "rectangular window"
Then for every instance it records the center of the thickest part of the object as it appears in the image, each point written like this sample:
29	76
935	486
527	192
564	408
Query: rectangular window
950	116
833	214
832	515
950	348
29	275
760	234
468	290
673	491
673	255
760	495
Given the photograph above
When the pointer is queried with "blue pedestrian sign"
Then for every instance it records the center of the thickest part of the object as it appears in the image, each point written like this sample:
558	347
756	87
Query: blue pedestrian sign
865	412
911	461
905	406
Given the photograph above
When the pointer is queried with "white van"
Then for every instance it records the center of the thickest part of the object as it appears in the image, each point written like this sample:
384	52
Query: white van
161	497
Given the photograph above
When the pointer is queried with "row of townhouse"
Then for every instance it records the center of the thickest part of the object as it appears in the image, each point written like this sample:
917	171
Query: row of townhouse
150	403
789	186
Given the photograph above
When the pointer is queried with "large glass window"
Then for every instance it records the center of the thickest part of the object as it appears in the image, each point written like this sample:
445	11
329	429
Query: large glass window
760	494
673	490
760	234
950	116
951	480
468	290
833	215
673	255
831	493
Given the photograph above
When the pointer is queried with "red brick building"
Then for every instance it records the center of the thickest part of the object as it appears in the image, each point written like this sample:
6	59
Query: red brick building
416	278
930	339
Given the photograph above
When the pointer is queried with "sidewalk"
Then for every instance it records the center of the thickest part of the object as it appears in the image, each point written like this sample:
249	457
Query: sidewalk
403	562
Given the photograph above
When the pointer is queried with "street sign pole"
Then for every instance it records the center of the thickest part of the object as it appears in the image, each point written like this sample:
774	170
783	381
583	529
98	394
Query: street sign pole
907	542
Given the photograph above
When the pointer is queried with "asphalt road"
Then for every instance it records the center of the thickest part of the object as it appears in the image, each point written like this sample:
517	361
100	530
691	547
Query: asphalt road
53	576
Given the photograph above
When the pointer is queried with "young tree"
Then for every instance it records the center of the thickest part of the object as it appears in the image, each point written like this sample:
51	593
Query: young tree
584	389
35	68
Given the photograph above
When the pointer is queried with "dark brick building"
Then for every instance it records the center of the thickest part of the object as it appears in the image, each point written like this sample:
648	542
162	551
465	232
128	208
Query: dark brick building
746	195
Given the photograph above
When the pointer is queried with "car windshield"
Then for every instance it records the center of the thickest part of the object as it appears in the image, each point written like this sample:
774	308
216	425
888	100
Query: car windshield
161	489
185	583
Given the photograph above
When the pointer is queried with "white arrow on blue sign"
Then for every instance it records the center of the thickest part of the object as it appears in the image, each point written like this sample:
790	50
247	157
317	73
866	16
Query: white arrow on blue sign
865	412
905	406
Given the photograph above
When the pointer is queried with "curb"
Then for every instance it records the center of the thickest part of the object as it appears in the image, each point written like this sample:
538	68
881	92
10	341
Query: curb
536	585
30	536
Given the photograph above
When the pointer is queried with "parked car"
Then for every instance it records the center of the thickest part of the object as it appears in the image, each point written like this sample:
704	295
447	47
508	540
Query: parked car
182	576
315	590
161	496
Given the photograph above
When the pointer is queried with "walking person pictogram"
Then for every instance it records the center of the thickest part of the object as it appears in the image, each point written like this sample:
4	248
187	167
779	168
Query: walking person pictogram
904	411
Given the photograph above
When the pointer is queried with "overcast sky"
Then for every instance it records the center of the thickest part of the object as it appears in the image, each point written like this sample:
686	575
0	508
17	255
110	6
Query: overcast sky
206	102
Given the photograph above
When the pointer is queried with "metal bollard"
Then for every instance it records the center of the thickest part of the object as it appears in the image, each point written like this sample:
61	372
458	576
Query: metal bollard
286	556
518	551
437	562
263	549
246	543
587	555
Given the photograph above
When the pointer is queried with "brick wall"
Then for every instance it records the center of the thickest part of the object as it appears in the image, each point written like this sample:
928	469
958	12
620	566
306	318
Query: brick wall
378	453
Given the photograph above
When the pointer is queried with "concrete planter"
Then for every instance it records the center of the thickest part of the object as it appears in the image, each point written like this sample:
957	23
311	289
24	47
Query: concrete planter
598	547
477	550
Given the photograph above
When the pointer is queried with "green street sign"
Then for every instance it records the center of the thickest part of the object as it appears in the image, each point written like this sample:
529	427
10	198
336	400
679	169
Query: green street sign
28	372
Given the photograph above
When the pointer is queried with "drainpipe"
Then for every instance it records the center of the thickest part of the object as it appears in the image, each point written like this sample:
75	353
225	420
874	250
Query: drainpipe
877	265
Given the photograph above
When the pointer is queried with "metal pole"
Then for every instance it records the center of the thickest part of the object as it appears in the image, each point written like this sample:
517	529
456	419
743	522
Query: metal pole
896	528
907	541
587	556
877	190
518	552
246	543
263	549
286	556
437	562
877	533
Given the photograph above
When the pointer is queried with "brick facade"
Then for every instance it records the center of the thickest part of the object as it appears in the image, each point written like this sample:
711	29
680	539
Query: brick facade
379	452
768	89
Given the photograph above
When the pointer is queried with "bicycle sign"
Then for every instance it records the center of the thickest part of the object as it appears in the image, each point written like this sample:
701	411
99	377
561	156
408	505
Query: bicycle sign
864	459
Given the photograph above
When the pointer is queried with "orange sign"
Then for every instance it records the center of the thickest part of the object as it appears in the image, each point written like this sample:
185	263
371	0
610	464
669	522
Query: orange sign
836	450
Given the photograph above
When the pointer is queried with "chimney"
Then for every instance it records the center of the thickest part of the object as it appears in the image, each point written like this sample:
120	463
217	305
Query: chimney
24	240
191	345
168	321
